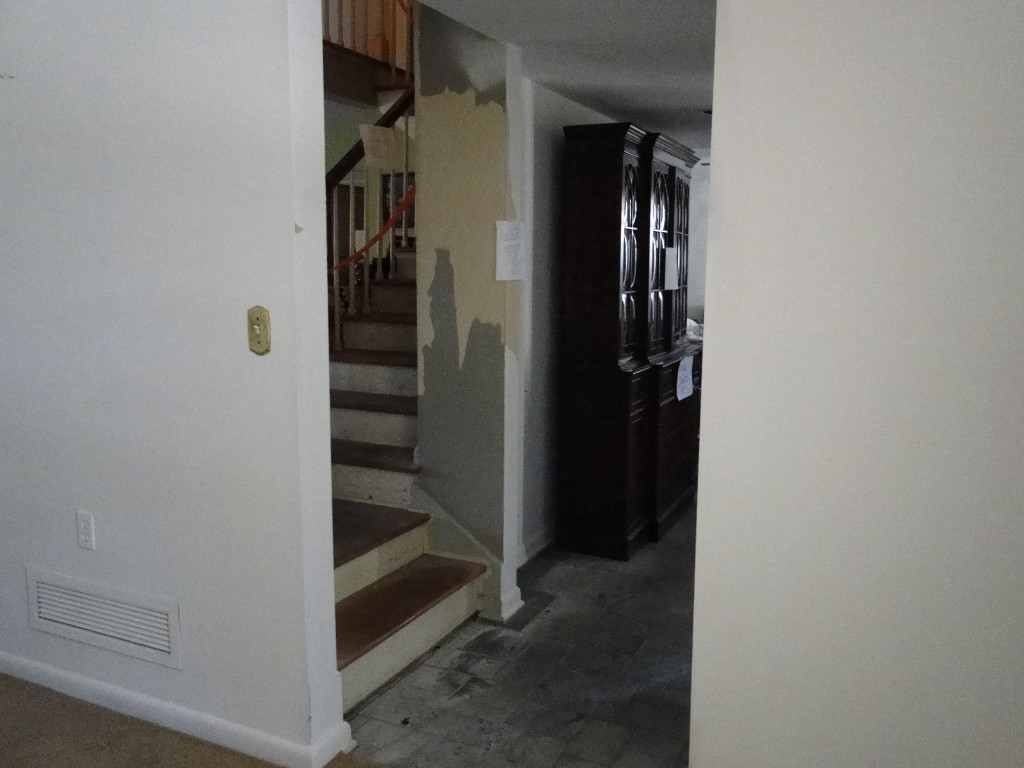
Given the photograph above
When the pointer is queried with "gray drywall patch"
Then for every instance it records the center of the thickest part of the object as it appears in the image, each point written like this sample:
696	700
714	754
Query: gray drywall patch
457	58
461	416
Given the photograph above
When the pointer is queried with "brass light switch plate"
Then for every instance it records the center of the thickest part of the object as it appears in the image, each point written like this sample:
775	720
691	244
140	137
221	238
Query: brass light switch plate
259	330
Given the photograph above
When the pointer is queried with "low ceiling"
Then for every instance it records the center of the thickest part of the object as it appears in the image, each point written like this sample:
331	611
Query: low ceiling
649	62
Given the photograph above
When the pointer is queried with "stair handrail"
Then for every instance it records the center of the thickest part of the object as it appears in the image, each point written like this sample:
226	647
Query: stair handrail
344	298
390	224
351	159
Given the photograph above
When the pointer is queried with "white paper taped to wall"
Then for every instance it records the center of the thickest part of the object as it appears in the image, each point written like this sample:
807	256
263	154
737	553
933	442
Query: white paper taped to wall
378	144
509	250
684	379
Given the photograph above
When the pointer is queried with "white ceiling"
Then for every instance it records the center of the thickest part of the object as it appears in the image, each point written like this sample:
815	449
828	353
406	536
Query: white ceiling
647	61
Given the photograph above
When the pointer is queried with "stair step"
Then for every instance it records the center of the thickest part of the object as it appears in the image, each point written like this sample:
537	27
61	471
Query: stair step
367	618
393	295
360	528
369	417
366	332
376	427
373	401
398	318
374	486
371	541
393	458
378	379
405	264
374	357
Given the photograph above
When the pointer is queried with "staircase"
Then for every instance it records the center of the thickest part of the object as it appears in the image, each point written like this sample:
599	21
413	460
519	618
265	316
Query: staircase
395	599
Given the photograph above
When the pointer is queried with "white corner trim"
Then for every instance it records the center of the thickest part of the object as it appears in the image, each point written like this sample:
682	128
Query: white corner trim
264	746
338	739
511	601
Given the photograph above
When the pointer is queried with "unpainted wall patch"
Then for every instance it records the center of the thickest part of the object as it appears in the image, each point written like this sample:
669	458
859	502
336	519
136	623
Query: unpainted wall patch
459	59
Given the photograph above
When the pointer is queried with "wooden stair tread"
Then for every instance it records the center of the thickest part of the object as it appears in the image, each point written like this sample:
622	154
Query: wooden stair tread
360	528
373	614
372	401
394	458
374	357
398	318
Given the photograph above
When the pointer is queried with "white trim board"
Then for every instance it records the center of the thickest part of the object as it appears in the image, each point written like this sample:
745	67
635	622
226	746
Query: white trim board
203	726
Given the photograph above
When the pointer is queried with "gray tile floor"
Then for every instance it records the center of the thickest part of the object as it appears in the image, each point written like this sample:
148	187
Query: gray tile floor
594	671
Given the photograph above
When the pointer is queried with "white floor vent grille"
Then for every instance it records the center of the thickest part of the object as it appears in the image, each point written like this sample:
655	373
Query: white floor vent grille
136	625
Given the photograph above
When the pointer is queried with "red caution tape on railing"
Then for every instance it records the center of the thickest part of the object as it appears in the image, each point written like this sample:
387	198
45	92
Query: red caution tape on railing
389	224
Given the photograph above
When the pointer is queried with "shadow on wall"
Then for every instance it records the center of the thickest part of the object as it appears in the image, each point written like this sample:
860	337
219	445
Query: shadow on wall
461	415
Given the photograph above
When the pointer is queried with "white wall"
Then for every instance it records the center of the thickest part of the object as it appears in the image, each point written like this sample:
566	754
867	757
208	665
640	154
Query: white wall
551	112
860	536
162	172
467	320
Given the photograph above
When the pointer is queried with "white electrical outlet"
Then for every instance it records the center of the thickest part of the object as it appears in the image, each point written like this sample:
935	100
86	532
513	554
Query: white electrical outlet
86	530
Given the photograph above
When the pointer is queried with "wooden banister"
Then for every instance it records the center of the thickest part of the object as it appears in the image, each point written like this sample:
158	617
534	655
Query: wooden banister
351	159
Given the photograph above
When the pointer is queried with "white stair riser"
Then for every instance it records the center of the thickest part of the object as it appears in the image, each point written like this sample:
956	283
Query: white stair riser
370	671
378	563
378	379
373	427
393	298
389	337
378	486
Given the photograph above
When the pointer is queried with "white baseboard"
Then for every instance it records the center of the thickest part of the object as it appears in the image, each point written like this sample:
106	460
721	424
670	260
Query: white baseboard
327	747
203	726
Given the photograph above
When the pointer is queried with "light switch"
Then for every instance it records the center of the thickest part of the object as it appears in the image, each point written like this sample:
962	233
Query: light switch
259	330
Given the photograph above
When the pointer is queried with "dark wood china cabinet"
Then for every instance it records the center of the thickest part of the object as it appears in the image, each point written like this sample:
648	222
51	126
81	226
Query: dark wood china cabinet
674	423
603	435
623	444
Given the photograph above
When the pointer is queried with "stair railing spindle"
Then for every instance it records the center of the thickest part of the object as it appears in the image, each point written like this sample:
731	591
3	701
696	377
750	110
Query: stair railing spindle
392	202
405	186
352	244
409	42
336	279
393	44
368	258
366	27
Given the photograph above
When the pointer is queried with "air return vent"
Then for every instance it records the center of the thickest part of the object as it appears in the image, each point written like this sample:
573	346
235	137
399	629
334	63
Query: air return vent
136	625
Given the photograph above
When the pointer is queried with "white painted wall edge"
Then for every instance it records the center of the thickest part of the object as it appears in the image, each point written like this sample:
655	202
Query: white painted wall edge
328	729
519	114
203	726
511	602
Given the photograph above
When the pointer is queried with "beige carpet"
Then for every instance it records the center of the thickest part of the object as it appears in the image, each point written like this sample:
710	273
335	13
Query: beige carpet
40	728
